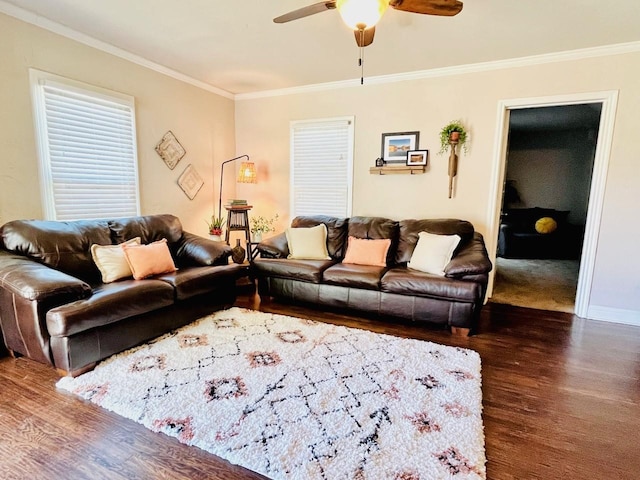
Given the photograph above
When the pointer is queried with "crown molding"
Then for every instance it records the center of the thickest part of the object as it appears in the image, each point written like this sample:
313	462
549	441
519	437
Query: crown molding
570	55
39	21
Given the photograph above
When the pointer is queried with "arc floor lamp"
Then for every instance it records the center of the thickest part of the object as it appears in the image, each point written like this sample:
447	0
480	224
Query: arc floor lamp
246	174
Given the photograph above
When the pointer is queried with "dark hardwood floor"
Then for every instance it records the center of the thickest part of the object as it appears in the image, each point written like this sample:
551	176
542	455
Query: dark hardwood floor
561	400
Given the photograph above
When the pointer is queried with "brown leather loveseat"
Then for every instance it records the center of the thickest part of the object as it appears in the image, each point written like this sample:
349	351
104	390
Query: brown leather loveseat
453	299
55	309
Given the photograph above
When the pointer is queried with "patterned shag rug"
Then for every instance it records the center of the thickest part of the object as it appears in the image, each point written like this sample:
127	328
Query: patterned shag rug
297	399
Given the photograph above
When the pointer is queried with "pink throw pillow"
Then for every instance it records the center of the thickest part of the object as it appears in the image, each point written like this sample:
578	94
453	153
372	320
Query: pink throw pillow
362	251
147	260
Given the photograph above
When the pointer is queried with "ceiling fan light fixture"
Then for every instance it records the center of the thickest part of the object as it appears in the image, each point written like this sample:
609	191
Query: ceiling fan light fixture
361	14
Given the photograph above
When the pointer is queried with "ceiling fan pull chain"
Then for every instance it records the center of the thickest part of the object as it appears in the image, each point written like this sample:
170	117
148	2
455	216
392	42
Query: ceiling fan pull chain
361	59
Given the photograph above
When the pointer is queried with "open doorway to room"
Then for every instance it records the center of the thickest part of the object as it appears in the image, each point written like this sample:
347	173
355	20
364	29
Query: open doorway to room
548	172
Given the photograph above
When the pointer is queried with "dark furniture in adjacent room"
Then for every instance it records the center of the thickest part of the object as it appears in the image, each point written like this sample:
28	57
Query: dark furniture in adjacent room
518	237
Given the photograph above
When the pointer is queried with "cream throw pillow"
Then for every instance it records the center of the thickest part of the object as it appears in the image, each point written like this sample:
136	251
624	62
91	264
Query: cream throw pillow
111	261
308	243
433	252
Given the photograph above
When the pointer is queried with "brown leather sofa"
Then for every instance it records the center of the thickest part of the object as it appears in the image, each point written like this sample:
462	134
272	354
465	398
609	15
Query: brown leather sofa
55	309
453	300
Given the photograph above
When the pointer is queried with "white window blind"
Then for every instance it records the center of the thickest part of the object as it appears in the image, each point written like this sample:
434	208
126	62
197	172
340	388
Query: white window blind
322	167
88	154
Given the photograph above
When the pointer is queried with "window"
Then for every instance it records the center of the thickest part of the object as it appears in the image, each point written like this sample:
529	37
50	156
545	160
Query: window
87	149
322	167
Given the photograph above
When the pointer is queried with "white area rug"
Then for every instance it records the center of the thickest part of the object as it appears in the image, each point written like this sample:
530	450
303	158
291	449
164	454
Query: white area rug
297	399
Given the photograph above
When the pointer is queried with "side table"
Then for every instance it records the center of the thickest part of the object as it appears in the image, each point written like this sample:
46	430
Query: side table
238	220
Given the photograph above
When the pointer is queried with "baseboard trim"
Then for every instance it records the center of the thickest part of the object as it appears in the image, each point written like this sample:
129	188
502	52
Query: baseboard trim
614	315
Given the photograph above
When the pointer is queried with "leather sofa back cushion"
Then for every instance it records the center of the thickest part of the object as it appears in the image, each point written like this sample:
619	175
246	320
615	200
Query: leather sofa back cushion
150	228
409	230
65	246
376	228
336	232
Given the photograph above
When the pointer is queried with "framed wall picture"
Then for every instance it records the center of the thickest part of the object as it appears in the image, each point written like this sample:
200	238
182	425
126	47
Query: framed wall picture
190	182
395	146
170	150
417	158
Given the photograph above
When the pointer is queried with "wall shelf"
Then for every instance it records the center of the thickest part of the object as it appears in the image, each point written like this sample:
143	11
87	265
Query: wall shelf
396	169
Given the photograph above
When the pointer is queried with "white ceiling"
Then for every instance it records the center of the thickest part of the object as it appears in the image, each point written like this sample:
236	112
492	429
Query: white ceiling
235	46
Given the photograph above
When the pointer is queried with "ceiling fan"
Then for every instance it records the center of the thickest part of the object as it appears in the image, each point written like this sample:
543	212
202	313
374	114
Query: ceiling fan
362	15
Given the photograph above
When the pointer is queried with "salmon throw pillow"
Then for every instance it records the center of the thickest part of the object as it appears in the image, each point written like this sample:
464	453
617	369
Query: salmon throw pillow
151	259
363	251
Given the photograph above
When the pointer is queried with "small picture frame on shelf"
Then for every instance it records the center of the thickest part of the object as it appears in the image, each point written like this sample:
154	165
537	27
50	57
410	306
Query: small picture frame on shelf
396	145
417	158
379	162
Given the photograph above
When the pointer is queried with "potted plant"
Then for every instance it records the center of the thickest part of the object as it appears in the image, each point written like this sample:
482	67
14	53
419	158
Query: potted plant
453	131
260	225
215	227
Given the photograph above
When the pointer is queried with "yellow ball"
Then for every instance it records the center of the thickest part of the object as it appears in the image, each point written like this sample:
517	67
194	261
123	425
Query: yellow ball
546	225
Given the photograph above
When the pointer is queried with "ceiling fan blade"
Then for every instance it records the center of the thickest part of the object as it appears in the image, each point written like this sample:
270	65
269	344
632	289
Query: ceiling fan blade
305	11
364	37
445	8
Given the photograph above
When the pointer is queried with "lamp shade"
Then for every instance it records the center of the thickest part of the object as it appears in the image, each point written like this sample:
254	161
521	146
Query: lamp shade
247	173
361	14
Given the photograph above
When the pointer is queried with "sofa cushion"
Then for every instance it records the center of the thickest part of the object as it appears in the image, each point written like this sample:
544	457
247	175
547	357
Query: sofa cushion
336	231
404	281
433	252
409	230
110	302
147	260
303	270
363	251
65	246
149	228
111	261
191	281
354	276
308	243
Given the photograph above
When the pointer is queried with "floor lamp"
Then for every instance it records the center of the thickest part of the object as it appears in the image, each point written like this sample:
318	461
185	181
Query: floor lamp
247	174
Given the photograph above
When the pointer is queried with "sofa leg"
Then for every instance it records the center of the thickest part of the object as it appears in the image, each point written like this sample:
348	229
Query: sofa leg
75	373
460	331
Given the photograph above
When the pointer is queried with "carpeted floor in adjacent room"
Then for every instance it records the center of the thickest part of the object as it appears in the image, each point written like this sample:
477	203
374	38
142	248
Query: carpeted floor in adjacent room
539	284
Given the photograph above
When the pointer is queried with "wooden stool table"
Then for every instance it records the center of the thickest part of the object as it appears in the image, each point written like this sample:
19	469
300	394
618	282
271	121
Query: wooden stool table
238	221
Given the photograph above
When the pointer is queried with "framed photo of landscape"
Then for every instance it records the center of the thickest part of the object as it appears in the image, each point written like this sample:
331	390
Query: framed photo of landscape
417	158
395	146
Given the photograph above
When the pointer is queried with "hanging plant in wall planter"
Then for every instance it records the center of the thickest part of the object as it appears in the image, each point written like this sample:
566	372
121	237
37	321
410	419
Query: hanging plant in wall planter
453	135
454	131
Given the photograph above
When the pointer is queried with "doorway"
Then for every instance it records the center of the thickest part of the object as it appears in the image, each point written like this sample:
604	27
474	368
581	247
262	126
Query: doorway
608	102
549	165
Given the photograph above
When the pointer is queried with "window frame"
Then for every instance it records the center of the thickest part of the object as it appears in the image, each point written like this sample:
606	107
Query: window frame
38	80
350	120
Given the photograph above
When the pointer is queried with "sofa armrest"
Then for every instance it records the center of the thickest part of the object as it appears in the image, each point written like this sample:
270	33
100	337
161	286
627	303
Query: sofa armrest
33	281
274	247
195	250
472	259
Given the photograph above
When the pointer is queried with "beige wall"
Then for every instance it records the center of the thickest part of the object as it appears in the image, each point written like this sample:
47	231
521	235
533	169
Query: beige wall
262	130
202	121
